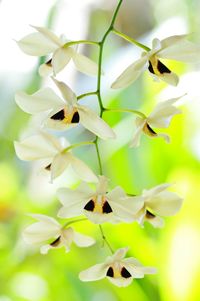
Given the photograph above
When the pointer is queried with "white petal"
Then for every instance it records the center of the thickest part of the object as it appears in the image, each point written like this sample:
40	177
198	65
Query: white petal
36	44
156	222
45	70
91	121
84	64
83	240
136	269
183	50
83	171
94	273
165	203
162	114
59	164
72	210
164	136
135	142
170	41
48	34
45	218
36	147
118	255
45	249
130	74
102	185
41	101
68	196
99	218
41	231
170	78
124	207
66	92
150	193
120	281
61	58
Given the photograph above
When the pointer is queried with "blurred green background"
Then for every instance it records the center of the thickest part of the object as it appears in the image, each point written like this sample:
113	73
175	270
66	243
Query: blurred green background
25	274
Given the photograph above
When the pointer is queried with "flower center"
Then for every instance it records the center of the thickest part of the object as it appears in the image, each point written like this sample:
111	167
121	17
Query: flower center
116	273
66	116
98	204
149	215
148	130
56	242
156	67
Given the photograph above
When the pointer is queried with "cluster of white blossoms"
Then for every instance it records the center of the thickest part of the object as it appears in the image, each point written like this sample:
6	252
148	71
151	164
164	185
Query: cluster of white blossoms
93	199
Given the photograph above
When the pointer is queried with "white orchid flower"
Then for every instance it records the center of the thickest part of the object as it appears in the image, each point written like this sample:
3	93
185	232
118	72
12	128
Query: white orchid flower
63	113
160	117
44	42
176	48
157	202
52	152
118	270
48	229
99	206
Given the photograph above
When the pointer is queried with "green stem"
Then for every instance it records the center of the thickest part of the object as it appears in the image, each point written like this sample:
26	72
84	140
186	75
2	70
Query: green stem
101	43
86	94
126	111
77	145
131	40
80	42
73	222
105	239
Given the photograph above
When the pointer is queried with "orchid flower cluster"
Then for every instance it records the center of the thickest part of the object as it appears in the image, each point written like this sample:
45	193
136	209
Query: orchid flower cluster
93	199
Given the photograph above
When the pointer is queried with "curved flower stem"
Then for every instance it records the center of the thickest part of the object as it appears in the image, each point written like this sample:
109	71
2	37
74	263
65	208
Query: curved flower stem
86	94
77	145
105	239
126	111
131	40
81	42
73	222
101	44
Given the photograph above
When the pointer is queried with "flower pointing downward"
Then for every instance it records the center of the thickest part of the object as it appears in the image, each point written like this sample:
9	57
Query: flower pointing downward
47	228
63	113
45	42
117	269
54	155
99	206
160	117
157	202
176	48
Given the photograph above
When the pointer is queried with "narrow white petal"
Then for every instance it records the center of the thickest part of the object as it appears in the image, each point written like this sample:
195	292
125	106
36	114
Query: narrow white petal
34	148
136	269
94	273
82	170
162	114
170	41
83	240
41	101
102	185
45	249
118	255
135	142
165	203
45	218
91	121
164	136
130	74
48	34
59	164
66	92
61	58
183	50
84	64
72	210
36	44
151	193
